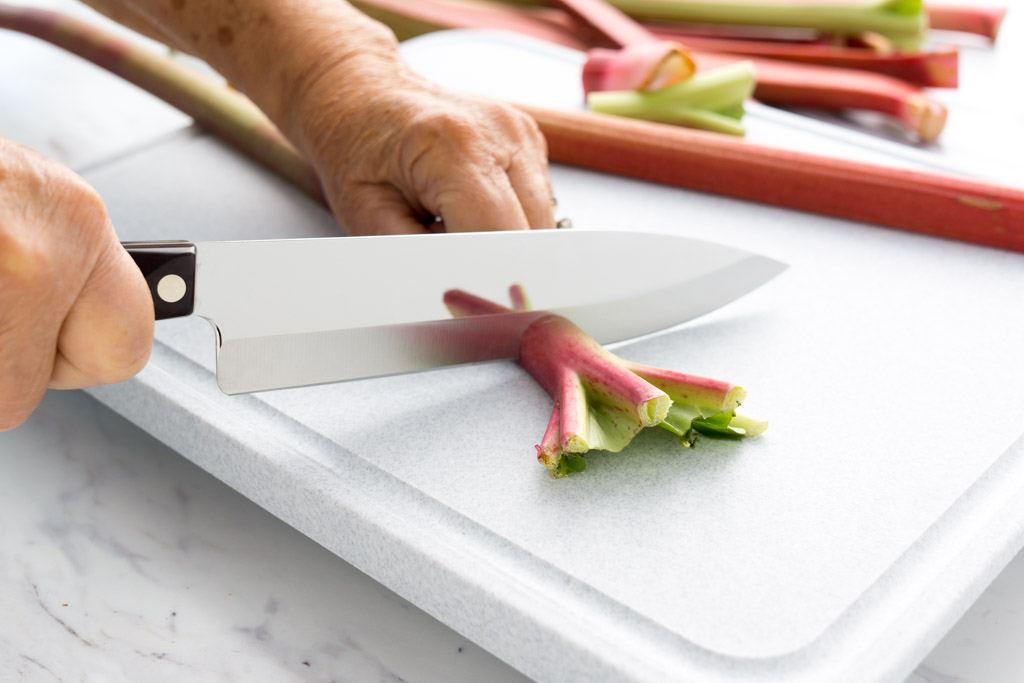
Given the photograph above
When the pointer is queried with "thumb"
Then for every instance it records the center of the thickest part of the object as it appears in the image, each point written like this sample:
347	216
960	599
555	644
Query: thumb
108	333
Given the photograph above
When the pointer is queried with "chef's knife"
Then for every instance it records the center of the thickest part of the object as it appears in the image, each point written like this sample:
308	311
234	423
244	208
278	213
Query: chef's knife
298	312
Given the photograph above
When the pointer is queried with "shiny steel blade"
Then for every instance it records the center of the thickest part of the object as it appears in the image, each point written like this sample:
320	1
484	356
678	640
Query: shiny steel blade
308	311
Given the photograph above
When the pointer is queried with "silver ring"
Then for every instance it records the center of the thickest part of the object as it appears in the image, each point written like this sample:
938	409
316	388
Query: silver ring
563	223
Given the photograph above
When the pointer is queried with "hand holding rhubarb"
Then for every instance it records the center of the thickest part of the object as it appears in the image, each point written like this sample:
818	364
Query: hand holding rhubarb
393	152
74	308
603	401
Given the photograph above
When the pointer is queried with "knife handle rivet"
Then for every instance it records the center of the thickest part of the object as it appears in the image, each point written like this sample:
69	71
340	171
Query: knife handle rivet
171	288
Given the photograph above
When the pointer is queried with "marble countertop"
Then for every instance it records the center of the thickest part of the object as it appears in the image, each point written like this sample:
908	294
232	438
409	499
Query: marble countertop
121	560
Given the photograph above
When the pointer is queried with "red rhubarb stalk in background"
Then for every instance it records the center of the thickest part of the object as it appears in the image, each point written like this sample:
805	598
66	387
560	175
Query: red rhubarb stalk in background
602	401
809	85
902	22
606	20
947	206
410	19
984	21
642	61
930	69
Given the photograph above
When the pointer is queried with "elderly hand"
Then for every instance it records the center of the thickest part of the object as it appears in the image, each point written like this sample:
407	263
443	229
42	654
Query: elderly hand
74	308
394	152
411	153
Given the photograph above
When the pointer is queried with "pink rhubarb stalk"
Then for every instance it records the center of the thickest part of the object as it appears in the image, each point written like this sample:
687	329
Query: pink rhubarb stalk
647	66
984	21
930	69
827	87
641	62
409	19
602	401
945	206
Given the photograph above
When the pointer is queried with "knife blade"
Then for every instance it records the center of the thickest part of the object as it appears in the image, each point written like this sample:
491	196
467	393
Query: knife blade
300	312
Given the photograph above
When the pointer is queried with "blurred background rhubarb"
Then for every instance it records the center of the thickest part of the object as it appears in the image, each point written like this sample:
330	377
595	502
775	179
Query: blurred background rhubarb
834	55
699	87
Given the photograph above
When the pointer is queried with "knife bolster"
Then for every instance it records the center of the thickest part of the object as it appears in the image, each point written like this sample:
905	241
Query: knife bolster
170	271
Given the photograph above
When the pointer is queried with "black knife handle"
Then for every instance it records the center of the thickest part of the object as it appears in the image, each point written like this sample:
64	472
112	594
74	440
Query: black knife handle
170	271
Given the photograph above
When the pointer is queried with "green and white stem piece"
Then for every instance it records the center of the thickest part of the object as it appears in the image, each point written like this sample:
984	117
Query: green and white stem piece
711	100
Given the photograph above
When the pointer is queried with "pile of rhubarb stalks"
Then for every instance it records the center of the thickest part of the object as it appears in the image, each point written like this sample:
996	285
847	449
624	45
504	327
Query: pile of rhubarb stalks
692	62
830	54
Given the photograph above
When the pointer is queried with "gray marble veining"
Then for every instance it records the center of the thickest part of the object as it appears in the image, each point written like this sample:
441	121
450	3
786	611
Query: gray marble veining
122	561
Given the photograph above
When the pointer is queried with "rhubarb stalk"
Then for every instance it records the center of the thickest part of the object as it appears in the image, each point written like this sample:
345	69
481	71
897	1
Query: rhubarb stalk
809	85
984	21
602	401
936	68
903	22
946	206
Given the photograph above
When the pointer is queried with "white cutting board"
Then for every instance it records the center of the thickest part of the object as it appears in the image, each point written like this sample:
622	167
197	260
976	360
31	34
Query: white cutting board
840	545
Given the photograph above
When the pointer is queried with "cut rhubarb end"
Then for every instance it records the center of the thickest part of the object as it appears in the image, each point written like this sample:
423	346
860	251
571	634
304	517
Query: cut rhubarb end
942	70
643	66
548	457
735	397
709	395
574	443
924	116
655	410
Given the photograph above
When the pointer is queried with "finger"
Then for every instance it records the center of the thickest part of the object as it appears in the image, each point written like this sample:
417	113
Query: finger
472	202
108	333
533	187
30	316
376	210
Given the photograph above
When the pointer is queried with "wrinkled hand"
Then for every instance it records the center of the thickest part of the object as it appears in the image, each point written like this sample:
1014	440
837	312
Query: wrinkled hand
74	308
403	153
